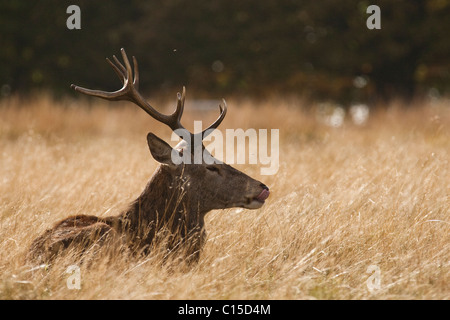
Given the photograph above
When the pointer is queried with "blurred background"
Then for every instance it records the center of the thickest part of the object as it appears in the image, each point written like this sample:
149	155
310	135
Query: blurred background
320	50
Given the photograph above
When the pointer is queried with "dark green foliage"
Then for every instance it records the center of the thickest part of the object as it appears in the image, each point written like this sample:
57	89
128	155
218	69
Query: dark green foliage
312	48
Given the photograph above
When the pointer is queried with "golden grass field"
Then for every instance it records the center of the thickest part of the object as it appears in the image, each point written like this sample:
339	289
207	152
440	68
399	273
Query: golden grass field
344	200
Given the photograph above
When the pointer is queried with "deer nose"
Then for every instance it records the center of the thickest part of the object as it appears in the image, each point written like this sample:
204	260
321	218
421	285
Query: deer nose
264	194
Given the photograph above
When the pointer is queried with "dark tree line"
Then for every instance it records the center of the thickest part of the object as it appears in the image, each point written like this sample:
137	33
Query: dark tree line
319	49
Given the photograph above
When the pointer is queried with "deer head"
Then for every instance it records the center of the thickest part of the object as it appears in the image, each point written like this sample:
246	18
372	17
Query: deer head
209	186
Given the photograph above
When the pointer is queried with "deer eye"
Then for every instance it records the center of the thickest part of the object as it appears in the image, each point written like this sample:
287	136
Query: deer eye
213	169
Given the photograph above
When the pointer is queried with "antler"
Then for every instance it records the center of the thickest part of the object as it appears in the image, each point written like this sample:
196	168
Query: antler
130	92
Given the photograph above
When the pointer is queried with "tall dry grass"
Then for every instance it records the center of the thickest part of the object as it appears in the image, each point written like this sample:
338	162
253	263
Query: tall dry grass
344	199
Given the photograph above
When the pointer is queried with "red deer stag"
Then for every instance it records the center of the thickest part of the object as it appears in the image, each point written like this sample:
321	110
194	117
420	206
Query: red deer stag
175	200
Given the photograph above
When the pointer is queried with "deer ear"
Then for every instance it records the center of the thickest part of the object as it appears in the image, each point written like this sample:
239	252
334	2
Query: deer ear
159	149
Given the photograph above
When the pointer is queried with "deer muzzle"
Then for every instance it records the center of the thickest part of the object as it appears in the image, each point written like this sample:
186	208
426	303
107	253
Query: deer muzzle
258	201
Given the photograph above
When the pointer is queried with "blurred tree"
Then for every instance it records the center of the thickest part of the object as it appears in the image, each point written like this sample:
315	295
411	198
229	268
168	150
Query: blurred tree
321	50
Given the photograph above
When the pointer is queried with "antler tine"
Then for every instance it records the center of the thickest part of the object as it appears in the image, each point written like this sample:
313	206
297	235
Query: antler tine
215	124
116	95
136	74
129	71
180	105
119	71
123	71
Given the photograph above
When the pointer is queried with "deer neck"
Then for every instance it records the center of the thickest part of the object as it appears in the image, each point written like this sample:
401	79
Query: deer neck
164	203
